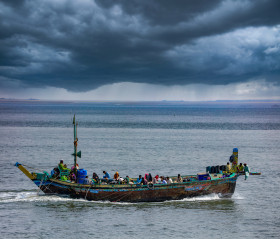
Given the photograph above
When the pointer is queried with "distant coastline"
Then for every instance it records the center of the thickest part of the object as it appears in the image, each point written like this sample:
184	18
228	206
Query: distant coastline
159	101
162	103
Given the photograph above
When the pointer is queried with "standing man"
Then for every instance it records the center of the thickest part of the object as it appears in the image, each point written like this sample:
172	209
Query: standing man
246	171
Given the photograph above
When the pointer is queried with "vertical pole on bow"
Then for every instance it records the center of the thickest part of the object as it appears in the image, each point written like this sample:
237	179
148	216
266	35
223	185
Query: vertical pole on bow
235	161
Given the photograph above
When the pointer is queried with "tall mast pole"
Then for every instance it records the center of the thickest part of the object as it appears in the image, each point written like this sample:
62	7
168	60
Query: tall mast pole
75	154
75	142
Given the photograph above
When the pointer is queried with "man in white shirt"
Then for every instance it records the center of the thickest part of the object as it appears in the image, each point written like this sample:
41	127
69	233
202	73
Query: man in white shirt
169	180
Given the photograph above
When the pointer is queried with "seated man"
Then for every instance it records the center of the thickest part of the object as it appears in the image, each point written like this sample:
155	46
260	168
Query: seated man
127	179
169	180
228	168
144	181
86	180
73	177
116	176
95	178
55	173
240	168
179	179
106	175
121	180
62	166
139	180
163	180
73	167
155	179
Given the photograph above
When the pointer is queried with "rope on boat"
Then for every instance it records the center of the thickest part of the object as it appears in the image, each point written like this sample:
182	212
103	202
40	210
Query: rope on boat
110	195
87	192
48	186
117	198
40	185
124	196
32	167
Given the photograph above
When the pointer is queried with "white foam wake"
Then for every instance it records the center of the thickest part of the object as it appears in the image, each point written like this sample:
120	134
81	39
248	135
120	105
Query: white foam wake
9	197
210	197
237	196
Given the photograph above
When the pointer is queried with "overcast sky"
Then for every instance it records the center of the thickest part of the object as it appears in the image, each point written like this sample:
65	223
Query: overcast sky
140	50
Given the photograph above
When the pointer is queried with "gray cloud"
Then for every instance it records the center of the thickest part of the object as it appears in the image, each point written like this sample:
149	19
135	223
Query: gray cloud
81	45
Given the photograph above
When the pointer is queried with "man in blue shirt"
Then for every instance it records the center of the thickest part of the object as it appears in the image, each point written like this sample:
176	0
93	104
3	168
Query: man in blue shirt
86	180
106	175
139	180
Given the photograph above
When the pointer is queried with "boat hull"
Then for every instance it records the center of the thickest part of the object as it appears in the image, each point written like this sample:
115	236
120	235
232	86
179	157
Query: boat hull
139	193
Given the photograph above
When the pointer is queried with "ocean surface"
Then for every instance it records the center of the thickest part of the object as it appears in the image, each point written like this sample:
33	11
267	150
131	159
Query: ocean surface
137	138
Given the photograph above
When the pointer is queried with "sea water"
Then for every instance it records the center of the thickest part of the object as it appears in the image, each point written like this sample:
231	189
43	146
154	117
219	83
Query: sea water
137	138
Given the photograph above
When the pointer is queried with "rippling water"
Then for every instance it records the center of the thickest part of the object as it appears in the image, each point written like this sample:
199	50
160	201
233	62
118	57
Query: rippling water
133	139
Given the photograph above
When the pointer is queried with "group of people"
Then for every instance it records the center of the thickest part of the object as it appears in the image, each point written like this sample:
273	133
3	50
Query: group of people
141	180
243	169
239	169
116	179
64	173
148	179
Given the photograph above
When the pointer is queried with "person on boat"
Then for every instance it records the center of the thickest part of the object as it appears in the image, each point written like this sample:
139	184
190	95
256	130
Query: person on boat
163	180
106	175
62	166
169	180
179	179
55	173
246	171
240	168
73	167
139	179
150	178
121	180
146	176
127	179
95	178
116	176
73	177
144	181
155	179
86	180
228	167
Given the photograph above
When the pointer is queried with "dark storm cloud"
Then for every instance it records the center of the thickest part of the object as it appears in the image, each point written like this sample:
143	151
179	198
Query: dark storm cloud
81	45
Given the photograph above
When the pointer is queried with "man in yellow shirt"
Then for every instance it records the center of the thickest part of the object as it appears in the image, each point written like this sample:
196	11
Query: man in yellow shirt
240	168
228	168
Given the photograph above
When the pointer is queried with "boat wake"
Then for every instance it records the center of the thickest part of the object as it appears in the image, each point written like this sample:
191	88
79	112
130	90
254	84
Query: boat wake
32	196
210	197
10	197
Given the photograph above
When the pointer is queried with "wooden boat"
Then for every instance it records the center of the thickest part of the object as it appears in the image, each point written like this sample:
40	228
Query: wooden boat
221	183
